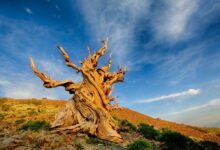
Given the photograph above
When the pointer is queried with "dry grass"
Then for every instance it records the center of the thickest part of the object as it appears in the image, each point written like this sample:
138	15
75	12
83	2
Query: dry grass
15	113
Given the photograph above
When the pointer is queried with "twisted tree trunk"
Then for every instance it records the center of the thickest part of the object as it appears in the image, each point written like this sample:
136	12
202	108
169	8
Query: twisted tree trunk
88	110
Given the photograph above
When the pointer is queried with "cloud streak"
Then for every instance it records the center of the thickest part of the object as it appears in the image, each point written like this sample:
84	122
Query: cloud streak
204	114
183	64
172	22
189	92
212	103
28	10
118	20
29	86
17	80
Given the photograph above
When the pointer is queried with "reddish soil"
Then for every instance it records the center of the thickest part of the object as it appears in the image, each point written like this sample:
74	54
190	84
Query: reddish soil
136	118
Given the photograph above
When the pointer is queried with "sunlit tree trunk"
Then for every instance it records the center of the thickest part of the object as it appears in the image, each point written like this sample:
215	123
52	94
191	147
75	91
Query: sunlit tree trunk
88	110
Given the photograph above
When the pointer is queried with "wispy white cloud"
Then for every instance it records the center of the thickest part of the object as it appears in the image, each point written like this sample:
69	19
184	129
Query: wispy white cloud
27	88
206	114
4	82
28	10
28	85
116	19
172	22
189	92
177	66
17	79
212	103
177	21
55	68
182	65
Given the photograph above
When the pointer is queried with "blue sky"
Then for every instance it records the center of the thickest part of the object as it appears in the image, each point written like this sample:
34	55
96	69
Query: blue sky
171	49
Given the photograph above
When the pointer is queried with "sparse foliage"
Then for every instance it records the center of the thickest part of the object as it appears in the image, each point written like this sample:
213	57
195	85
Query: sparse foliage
126	126
2	115
20	121
148	131
207	145
175	140
5	107
36	125
140	145
79	146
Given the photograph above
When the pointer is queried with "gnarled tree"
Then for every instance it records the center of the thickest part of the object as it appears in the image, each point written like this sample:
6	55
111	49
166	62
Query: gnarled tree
88	110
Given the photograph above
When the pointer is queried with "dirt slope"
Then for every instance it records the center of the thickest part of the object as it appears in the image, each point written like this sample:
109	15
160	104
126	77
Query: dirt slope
136	118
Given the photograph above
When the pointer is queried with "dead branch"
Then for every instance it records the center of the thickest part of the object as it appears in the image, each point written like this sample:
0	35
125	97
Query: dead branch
67	59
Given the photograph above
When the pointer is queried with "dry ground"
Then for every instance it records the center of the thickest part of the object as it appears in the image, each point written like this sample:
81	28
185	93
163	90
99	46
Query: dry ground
12	110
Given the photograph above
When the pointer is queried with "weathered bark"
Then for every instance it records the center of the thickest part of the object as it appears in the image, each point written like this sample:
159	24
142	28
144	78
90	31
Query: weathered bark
88	110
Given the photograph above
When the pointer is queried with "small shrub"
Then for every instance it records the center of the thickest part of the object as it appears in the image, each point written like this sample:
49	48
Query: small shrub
5	107
79	146
92	140
140	145
207	145
148	131
116	119
2	116
174	140
21	116
126	126
35	126
32	112
20	121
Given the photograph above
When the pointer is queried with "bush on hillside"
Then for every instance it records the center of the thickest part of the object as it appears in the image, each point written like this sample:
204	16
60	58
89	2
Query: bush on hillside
116	118
36	125
148	131
32	112
174	140
79	146
19	121
140	145
2	115
126	126
5	107
207	145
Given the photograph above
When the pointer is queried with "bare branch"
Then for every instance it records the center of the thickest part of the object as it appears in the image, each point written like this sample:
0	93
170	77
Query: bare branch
111	78
48	82
108	66
113	98
99	53
67	59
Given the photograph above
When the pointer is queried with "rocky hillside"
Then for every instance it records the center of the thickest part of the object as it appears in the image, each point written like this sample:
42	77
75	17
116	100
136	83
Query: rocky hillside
18	127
